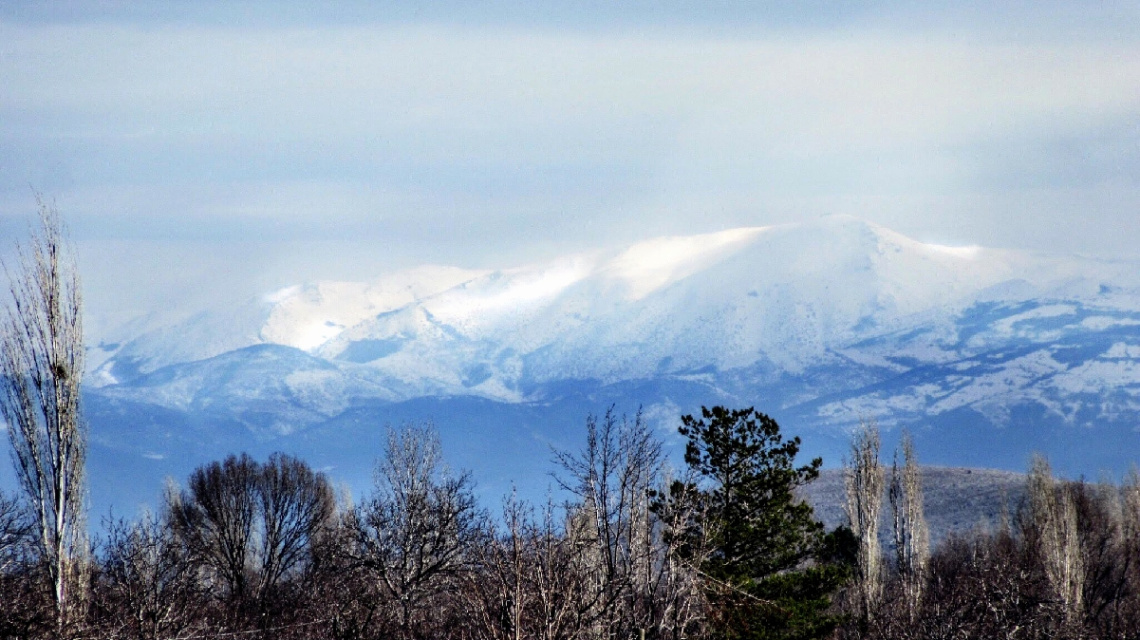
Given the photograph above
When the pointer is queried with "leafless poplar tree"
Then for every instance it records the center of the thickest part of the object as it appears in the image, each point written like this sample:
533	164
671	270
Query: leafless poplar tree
612	477
1054	518
864	479
498	594
911	536
41	368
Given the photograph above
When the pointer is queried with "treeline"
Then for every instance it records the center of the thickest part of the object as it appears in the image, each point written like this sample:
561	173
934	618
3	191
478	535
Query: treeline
1064	563
268	549
724	550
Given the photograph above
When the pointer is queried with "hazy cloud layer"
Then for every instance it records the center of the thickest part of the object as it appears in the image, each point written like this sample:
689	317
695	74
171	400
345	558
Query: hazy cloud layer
237	147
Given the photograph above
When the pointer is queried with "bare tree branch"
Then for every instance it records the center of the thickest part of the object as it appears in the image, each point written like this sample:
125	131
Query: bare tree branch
41	369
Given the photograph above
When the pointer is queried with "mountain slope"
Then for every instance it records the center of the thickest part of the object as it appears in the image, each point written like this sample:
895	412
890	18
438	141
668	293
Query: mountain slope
986	354
785	295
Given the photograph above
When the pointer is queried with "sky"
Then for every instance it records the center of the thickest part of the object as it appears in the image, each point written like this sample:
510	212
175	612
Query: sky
203	152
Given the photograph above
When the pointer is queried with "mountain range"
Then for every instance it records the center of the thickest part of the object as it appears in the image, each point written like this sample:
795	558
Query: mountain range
984	354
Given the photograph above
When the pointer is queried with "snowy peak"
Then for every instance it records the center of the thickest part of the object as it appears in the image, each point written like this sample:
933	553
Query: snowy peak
303	316
819	324
308	316
782	296
652	265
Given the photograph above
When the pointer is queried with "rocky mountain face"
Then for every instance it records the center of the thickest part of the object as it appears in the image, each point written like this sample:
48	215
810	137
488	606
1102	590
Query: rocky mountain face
986	355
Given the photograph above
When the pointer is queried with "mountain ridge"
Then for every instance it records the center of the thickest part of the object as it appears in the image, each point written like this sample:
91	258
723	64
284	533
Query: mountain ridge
985	354
567	318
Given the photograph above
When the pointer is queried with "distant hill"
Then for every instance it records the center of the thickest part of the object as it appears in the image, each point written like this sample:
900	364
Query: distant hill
955	499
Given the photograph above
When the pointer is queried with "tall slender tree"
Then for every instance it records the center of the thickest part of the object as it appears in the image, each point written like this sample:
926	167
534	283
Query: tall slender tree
864	480
1053	516
911	535
41	368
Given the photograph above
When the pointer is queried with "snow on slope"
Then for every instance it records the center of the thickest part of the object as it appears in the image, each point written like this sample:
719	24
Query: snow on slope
301	316
308	316
784	295
1075	358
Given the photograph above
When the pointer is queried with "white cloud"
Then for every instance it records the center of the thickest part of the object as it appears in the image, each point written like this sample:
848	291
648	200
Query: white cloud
826	92
488	144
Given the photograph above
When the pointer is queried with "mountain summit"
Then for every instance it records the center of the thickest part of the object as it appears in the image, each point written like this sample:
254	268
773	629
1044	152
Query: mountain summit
784	295
820	324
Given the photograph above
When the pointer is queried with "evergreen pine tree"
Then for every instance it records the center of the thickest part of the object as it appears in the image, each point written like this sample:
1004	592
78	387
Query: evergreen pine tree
769	565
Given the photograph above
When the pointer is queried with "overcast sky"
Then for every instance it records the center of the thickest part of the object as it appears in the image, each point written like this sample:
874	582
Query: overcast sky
222	149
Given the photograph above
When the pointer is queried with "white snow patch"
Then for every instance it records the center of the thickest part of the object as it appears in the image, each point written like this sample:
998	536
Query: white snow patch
1005	325
970	252
510	292
279	296
312	315
651	265
1015	375
102	376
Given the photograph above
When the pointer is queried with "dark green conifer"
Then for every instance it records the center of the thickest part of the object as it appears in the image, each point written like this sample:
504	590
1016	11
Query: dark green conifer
770	567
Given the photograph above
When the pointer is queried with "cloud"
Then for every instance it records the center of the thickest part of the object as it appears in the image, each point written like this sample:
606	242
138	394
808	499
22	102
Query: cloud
497	136
368	84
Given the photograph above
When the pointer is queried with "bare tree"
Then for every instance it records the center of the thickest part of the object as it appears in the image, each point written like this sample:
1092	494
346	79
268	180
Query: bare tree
864	479
1131	507
147	588
1053	516
496	593
613	477
22	614
41	368
686	543
413	536
617	479
537	579
13	532
215	518
912	538
297	506
252	525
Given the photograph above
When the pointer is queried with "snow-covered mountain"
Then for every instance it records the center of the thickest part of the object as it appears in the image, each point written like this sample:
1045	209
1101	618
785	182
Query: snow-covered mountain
820	324
791	296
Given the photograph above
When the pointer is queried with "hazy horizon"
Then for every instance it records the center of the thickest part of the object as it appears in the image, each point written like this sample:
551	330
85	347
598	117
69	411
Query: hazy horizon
218	149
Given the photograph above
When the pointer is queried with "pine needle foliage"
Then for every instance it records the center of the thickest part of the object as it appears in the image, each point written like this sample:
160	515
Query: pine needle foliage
772	567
